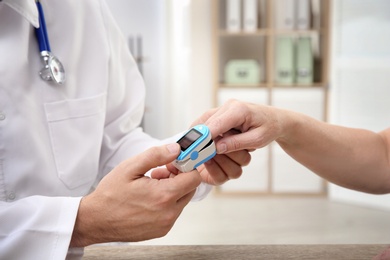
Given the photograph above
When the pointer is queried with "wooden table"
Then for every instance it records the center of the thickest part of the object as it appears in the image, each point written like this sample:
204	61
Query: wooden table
225	252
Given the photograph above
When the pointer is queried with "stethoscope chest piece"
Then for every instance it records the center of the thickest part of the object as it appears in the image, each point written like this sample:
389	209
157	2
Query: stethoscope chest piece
53	68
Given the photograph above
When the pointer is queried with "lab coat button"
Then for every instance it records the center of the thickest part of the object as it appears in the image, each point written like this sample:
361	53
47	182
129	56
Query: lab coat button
2	116
11	195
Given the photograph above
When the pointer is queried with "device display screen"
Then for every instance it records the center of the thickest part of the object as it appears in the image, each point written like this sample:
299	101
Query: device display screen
189	139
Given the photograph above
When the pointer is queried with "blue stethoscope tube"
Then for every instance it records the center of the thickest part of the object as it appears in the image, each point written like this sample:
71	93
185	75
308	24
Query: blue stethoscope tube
41	32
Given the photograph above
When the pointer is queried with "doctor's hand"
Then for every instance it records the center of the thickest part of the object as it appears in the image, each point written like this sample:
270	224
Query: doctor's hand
127	206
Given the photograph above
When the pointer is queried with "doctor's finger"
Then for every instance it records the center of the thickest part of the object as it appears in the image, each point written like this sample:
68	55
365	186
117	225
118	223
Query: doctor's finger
160	173
182	184
138	165
184	200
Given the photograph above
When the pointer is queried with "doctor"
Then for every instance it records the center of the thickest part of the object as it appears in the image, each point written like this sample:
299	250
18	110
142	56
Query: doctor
72	159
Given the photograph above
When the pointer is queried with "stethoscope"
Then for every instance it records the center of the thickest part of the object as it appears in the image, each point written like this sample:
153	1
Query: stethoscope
53	69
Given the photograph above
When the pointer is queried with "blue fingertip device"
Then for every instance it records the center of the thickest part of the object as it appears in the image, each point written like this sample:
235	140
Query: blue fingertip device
197	147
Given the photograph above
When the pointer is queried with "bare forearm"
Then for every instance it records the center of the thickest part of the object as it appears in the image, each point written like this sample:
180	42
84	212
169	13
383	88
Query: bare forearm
353	158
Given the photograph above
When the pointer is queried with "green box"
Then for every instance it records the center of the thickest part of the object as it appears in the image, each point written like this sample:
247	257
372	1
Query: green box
285	61
304	62
242	72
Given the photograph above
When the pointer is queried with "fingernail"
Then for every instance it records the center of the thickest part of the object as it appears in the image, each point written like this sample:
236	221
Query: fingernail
221	148
173	148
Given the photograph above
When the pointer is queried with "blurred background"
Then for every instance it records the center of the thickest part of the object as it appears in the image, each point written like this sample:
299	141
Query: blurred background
327	59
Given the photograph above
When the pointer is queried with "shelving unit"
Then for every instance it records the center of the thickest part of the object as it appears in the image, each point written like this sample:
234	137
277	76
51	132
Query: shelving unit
272	171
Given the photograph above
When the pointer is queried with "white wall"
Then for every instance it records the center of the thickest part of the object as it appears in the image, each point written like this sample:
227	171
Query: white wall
146	18
360	89
177	48
190	69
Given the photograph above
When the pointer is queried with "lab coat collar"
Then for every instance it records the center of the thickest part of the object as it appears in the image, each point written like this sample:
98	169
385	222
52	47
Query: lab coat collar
26	8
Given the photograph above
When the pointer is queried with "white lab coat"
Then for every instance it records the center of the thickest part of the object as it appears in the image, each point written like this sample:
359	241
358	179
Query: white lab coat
56	141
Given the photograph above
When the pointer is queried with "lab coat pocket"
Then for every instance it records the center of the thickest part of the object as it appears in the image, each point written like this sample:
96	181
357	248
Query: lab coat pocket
76	130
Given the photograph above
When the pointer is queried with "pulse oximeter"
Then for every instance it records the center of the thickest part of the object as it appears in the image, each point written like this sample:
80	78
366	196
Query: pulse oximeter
197	147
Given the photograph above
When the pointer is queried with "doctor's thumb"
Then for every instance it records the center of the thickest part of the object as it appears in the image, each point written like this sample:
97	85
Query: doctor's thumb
153	157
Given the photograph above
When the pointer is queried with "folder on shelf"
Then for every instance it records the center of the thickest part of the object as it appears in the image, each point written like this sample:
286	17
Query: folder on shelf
285	14
316	12
233	15
285	60
242	72
304	61
250	11
303	14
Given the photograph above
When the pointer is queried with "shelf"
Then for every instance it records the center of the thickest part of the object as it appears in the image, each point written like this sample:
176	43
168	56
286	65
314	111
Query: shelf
260	32
271	170
298	32
313	85
271	32
274	85
261	85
